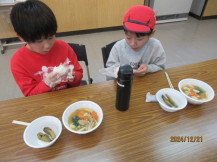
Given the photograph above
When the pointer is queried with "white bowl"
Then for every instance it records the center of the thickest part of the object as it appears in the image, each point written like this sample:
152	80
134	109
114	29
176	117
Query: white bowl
82	104
176	96
36	126
206	87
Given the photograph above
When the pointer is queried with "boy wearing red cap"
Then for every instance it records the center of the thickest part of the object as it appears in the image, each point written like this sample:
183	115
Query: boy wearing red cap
138	49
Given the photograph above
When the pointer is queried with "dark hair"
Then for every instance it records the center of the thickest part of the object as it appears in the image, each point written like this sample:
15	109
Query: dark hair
140	34
33	20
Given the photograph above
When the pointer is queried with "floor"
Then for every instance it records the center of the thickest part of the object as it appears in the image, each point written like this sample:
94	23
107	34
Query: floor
185	42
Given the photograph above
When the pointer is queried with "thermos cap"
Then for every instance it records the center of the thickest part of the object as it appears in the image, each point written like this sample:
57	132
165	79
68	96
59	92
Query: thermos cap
125	72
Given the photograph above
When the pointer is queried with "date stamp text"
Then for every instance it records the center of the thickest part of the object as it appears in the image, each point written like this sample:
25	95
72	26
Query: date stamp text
186	139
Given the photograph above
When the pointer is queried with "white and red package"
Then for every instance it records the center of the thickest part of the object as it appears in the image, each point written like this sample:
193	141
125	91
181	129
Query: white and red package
63	73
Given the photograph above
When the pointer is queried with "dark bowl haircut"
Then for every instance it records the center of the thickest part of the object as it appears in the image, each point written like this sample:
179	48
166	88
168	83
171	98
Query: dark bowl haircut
33	20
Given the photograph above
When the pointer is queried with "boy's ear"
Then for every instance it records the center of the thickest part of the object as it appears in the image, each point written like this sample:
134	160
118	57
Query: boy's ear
153	32
20	38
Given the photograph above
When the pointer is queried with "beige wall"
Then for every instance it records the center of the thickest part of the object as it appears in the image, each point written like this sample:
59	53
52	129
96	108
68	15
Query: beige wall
73	15
6	29
211	8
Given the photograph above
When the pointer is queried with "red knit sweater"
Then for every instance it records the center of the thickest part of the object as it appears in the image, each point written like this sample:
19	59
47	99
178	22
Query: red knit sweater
25	64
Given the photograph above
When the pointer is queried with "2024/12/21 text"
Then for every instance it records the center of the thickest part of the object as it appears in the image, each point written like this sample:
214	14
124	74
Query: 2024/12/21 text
186	139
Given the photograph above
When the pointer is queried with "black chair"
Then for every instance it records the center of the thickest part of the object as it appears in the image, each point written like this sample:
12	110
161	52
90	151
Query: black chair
80	51
106	51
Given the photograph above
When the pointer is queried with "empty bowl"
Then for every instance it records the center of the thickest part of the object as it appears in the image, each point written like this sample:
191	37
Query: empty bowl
30	135
171	100
77	121
196	91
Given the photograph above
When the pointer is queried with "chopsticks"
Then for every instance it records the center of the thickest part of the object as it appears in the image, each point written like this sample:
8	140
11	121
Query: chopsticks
20	122
169	81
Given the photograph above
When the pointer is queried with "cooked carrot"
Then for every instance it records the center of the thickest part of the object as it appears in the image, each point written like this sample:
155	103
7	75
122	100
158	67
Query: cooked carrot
81	116
193	94
94	115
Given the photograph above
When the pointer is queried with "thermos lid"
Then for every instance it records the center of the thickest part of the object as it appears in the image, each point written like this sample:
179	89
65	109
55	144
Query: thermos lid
125	72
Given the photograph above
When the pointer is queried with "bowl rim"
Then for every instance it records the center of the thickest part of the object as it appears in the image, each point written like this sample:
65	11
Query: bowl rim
36	120
176	91
200	81
83	132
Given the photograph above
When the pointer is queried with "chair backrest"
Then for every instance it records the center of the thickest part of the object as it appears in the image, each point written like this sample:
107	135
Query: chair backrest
106	51
81	53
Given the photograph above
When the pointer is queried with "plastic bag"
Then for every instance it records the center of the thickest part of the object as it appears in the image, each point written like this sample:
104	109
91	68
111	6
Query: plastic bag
63	73
111	71
150	98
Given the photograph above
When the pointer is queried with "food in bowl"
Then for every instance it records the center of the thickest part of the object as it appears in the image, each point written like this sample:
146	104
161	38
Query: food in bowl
31	132
179	101
48	136
194	92
43	137
83	119
73	109
168	101
206	91
49	132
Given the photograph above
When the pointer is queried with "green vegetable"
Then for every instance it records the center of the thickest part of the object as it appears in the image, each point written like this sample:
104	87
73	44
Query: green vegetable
199	89
43	137
171	101
50	132
166	101
75	120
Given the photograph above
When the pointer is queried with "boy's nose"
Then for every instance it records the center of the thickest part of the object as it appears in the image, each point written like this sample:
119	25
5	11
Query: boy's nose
133	43
47	45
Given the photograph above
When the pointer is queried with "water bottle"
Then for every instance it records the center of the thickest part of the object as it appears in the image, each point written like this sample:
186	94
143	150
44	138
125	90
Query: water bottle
124	84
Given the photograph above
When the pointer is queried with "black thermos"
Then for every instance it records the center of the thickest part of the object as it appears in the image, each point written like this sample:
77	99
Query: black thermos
124	84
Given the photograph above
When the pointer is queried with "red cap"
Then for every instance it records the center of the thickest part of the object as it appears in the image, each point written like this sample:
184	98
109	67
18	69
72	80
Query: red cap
139	19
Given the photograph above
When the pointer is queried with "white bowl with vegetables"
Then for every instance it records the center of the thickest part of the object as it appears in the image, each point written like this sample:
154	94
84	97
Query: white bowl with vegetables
196	91
42	132
82	117
171	100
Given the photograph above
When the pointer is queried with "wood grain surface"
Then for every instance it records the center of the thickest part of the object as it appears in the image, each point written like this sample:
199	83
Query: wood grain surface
210	8
6	28
73	15
142	133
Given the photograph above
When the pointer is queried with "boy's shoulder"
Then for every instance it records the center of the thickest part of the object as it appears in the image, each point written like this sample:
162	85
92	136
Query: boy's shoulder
120	43
154	41
24	52
21	52
151	42
60	43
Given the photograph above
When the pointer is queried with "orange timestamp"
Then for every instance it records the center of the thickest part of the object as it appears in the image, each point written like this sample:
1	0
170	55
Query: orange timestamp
186	139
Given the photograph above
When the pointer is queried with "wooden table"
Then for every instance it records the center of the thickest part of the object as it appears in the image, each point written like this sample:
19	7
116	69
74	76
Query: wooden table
142	133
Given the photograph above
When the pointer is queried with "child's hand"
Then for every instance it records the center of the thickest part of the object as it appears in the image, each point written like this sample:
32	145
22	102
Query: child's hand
52	80
141	71
73	76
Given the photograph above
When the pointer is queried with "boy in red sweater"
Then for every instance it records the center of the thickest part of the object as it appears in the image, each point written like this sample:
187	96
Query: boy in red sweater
33	65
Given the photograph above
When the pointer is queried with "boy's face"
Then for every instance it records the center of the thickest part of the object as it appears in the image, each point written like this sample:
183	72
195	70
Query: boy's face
41	46
135	42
